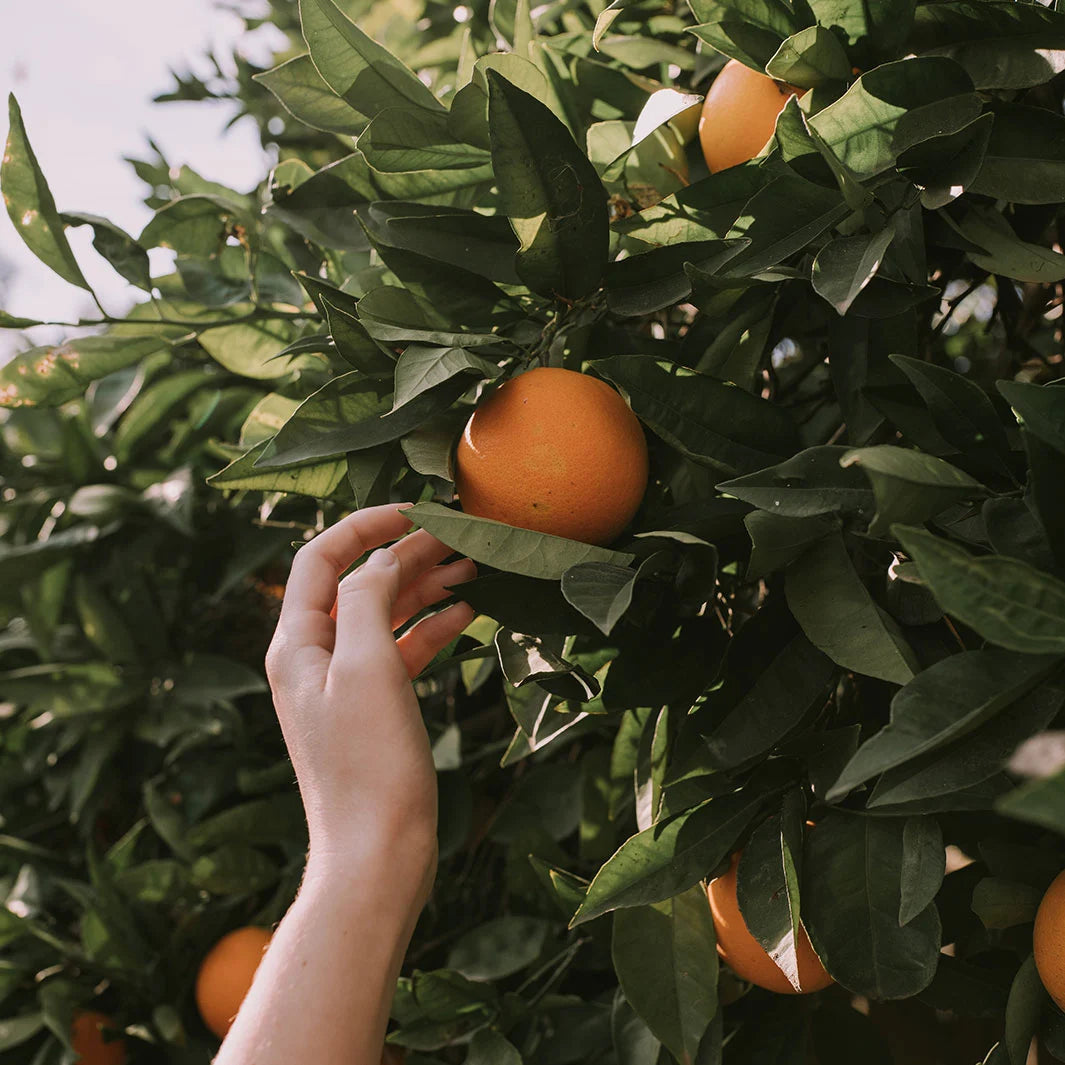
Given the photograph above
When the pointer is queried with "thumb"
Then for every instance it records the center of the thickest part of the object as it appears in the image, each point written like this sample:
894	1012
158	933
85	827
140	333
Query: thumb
365	599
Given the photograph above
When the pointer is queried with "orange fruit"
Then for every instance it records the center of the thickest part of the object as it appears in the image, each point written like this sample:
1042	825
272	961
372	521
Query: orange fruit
744	954
555	451
90	1043
1048	939
739	114
226	974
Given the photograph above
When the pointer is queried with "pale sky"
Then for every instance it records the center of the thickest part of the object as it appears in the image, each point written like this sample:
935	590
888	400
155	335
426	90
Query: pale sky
84	72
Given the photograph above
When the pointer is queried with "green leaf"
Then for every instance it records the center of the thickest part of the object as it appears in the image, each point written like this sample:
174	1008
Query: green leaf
976	756
1025	160
50	376
195	225
353	343
550	192
528	659
306	95
872	32
1003	251
852	894
961	410
777	540
810	57
909	485
716	424
923	866
423	366
794	682
398	141
893	107
482	244
751	31
392	314
844	266
1023	1011
233	870
153	405
248	348
17	1030
30	205
812	483
468	120
601	592
525	604
128	258
1001	45
1041	409
665	959
1006	601
319	480
947	701
519	551
634	1042
499	948
357	68
669	857
839	616
767	885
488	1047
346	415
780	220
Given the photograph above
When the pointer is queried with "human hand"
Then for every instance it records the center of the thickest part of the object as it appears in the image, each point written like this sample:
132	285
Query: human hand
343	691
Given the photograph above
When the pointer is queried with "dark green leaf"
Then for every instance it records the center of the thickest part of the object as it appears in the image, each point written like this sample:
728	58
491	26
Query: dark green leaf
117	247
666	964
669	857
499	947
1025	161
923	866
551	193
812	483
716	424
844	266
1041	410
1023	1010
1008	602
839	616
852	895
910	486
423	366
751	31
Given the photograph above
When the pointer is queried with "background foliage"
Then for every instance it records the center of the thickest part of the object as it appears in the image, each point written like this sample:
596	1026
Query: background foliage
842	600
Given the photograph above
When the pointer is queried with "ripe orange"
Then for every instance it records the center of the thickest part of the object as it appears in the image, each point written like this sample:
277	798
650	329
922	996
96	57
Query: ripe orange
90	1043
1048	939
744	954
226	974
739	115
555	451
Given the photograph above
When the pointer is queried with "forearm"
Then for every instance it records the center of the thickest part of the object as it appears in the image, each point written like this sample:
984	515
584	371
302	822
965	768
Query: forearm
325	985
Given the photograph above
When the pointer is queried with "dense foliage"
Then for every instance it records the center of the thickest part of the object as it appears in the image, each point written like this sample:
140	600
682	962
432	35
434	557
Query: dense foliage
842	601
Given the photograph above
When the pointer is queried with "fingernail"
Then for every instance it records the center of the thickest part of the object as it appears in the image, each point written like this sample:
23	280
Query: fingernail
380	558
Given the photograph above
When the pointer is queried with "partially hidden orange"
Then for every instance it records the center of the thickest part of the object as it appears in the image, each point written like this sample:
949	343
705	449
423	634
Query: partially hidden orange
739	115
745	955
555	451
90	1043
226	974
1048	940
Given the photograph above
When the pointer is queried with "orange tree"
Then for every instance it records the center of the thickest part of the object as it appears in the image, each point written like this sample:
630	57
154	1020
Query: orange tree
839	605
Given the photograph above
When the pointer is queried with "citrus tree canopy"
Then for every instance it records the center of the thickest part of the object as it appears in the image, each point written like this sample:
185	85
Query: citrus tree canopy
767	660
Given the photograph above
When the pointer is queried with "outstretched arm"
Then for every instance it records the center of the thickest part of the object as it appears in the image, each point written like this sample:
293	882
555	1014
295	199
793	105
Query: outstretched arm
361	754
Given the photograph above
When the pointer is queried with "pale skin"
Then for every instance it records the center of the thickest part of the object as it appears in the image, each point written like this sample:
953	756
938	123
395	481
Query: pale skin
354	730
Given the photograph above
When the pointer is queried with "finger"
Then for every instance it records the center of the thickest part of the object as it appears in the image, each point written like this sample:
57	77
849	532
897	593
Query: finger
417	552
312	584
430	588
364	609
431	635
